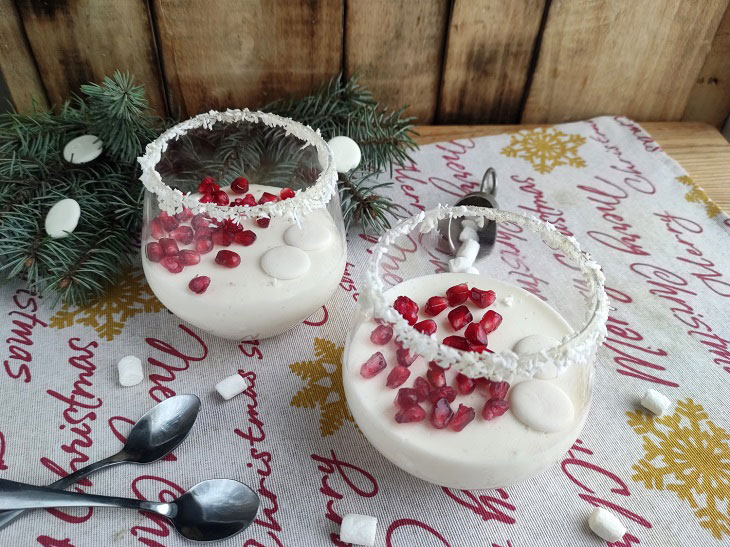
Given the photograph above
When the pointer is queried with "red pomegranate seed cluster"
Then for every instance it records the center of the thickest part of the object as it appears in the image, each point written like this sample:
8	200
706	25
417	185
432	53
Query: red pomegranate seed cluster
430	395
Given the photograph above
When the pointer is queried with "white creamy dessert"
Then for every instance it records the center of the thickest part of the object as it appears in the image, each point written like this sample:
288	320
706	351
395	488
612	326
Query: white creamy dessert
284	276
485	454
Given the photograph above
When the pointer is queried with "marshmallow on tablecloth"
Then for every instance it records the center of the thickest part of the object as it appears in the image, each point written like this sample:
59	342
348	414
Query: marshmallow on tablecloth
469	249
467	232
460	264
130	371
655	402
231	386
358	529
605	525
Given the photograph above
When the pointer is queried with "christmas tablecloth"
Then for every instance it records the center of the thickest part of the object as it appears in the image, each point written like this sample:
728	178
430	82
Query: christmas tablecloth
664	248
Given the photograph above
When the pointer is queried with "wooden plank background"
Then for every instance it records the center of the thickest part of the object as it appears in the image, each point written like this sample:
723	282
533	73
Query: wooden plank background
452	61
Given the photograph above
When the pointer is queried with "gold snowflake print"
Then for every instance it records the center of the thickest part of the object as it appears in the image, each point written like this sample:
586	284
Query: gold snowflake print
697	195
324	387
545	148
689	455
108	314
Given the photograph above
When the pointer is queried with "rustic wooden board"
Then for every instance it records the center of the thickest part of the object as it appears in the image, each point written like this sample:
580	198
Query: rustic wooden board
77	41
236	54
397	48
488	56
709	100
638	58
16	61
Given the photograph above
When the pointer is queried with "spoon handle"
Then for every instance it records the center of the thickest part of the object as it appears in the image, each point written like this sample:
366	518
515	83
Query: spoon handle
16	495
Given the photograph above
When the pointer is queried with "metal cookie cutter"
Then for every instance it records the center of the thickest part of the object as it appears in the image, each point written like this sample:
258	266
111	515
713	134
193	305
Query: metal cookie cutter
450	228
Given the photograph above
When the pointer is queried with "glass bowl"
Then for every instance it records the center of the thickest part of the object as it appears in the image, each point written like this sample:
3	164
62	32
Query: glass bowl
481	377
242	234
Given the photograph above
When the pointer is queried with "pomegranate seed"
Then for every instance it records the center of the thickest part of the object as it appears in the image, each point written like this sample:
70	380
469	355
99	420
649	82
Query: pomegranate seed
494	408
427	326
407	308
186	214
203	245
222	238
168	223
207	198
208	186
231	226
263	222
245	238
457	294
381	334
435	305
441	414
498	390
372	366
406	397
483	299
411	414
436	376
154	251
199	222
476	334
169	246
184	234
189	258
443	392
287	193
249	200
491	320
464	384
239	185
479	348
156	229
459	317
463	417
229	259
266	197
422	388
397	377
458	342
434	364
171	264
199	284
405	357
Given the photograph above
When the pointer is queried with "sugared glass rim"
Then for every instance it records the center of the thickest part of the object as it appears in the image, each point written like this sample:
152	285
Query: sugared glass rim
577	347
172	200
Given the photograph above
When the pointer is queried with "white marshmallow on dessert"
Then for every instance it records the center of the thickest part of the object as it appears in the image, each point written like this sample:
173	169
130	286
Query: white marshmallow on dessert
655	402
62	218
606	525
358	529
346	153
485	454
308	236
231	386
130	371
536	343
263	295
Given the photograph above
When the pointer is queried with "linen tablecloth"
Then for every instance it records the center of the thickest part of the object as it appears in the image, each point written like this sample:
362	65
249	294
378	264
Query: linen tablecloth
664	248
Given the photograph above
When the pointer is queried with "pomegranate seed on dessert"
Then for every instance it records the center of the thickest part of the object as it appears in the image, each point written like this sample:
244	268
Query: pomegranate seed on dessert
479	348
494	408
204	245
266	197
381	334
434	364
188	257
435	305
443	392
222	237
200	221
422	388
498	390
411	414
186	214
491	320
457	294
459	317
372	366
239	185
397	377
427	326
207	198
169	246
464	384
245	238
154	251
230	225
407	308
286	193
172	264
436	376
483	299
168	223
184	234
199	284
441	414
476	334
249	200
263	222
458	342
156	229
221	198
208	186
406	397
229	259
463	417
405	357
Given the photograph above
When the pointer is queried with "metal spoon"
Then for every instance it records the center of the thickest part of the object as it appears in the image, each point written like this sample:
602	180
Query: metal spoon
155	435
211	510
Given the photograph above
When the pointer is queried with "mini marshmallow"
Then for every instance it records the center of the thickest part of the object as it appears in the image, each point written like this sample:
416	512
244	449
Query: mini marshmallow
130	371
358	529
231	386
460	264
605	525
468	223
469	249
472	270
467	232
655	402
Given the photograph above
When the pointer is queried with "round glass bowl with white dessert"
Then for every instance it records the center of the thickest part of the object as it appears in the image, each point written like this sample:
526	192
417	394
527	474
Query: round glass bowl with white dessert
478	377
243	234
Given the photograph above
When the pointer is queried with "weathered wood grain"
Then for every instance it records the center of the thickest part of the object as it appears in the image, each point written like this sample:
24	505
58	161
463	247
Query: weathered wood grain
488	55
